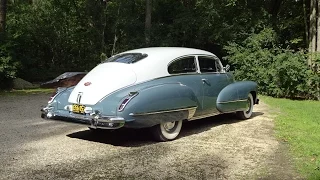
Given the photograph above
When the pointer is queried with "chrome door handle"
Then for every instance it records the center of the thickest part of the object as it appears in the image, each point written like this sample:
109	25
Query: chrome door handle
205	81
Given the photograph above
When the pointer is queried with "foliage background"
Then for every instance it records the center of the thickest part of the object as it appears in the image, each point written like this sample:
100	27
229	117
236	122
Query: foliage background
264	41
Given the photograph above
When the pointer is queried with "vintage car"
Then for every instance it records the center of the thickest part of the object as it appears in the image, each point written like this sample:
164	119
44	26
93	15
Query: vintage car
156	88
66	79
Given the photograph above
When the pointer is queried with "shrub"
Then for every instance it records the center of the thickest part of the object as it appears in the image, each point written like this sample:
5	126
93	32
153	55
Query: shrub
8	67
278	72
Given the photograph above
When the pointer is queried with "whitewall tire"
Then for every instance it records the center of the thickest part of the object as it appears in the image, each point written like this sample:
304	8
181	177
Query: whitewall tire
167	131
246	114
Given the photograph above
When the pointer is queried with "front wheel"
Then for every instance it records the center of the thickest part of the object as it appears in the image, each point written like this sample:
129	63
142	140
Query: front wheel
246	114
167	131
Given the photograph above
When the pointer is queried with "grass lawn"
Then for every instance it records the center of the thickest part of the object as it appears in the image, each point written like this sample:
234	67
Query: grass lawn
299	124
27	91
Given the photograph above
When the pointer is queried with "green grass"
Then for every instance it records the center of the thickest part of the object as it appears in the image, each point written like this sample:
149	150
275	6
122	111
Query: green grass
26	92
299	124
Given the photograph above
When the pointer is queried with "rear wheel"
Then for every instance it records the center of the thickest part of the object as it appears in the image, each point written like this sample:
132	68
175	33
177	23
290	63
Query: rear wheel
167	131
246	114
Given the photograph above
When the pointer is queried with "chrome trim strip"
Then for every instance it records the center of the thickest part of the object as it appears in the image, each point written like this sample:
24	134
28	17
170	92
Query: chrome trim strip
240	100
79	97
214	57
182	57
204	116
165	111
191	113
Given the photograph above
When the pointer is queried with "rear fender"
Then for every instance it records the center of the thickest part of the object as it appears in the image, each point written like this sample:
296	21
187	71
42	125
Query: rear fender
234	96
62	97
160	103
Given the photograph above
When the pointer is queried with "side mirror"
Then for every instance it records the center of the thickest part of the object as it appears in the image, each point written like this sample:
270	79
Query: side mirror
226	68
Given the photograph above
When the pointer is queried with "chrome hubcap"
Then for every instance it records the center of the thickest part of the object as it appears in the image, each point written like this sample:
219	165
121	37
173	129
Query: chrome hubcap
249	105
169	125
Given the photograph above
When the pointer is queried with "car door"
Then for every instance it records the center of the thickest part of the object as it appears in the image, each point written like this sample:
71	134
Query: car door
185	70
214	79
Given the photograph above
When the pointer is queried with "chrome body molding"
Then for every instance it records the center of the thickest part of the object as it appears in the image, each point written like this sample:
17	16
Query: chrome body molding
127	100
240	100
191	111
204	116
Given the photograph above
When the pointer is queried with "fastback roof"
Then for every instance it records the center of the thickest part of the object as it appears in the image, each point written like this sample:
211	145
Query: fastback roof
169	52
156	64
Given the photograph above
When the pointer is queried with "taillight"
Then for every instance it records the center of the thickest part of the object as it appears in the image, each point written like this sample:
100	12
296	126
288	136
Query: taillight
52	96
127	100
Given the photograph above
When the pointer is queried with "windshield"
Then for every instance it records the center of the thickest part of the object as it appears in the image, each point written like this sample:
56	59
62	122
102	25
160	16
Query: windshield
127	58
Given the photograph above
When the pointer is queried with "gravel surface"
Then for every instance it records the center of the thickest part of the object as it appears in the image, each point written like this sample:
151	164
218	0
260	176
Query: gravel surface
219	147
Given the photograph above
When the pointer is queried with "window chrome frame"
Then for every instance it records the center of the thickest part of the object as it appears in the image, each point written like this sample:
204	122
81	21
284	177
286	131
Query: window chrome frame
215	58
186	73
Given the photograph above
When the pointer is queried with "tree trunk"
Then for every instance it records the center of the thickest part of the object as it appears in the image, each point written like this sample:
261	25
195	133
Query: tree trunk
316	66
305	18
148	21
274	9
318	27
103	24
312	31
3	14
115	39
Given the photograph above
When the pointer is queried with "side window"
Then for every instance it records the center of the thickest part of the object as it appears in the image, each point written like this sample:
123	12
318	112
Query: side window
209	64
183	65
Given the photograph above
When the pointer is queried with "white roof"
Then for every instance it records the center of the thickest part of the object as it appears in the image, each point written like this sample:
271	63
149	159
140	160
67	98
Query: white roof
108	77
168	53
155	65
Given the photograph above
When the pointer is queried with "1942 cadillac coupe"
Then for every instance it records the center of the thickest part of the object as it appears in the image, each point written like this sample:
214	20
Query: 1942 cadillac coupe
156	88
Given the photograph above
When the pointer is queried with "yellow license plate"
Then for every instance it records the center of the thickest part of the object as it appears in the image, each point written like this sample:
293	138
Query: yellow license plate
77	108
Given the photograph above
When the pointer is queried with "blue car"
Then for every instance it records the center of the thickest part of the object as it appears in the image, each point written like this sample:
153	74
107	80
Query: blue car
155	88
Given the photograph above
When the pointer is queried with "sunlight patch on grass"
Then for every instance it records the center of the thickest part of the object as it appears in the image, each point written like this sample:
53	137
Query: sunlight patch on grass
27	92
299	124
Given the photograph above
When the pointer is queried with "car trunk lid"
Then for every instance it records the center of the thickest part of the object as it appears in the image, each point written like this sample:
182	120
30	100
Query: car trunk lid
101	81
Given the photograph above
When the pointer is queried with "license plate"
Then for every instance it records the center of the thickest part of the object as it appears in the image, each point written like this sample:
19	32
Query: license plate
77	108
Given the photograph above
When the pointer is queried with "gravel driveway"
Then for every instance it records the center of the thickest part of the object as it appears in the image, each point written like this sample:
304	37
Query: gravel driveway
220	147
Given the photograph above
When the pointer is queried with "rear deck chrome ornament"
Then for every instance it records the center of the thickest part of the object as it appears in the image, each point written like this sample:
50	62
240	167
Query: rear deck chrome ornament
87	83
79	97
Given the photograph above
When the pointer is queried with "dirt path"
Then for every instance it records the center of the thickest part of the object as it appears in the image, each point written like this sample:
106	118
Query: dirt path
213	148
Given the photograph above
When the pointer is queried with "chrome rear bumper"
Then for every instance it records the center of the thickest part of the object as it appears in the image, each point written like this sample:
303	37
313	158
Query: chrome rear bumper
94	120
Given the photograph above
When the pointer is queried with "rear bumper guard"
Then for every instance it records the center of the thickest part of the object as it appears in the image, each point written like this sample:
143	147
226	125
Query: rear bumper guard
94	120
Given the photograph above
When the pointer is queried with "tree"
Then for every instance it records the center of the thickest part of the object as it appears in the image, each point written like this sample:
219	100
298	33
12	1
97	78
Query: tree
318	27
3	14
312	30
148	21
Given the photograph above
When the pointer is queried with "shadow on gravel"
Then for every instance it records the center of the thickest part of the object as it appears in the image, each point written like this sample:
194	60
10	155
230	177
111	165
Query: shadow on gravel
201	125
120	137
140	137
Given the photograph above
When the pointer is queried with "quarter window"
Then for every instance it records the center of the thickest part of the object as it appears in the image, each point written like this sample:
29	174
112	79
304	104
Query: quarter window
209	64
183	65
127	58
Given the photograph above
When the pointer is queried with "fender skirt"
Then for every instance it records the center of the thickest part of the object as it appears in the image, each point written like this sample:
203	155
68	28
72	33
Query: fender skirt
234	96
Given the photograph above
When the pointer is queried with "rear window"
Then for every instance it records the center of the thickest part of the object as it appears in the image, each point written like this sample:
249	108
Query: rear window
127	58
